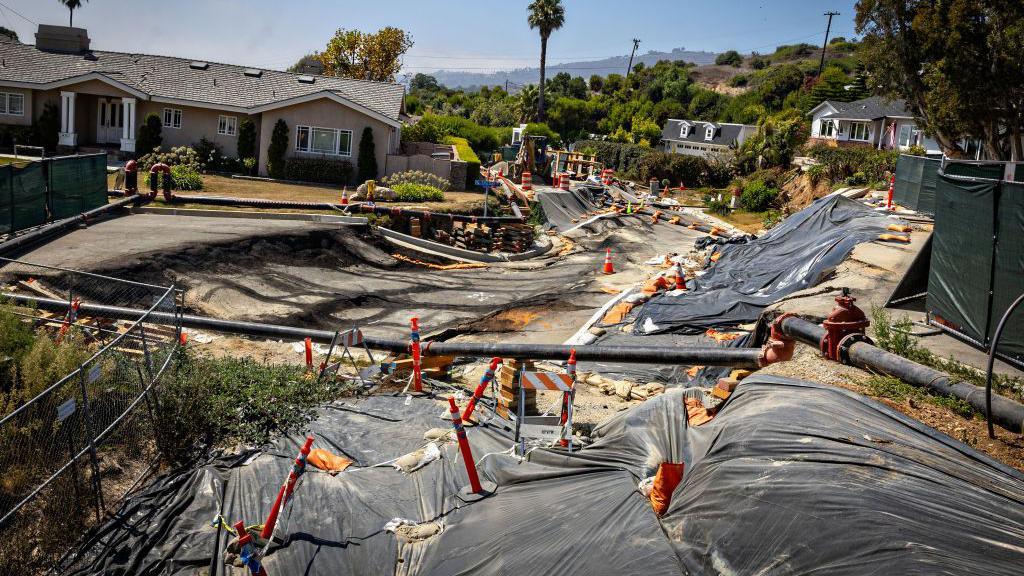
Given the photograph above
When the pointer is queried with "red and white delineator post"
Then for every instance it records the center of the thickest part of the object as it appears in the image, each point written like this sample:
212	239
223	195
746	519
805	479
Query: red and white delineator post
567	399
248	553
485	381
285	493
70	318
416	380
476	490
888	195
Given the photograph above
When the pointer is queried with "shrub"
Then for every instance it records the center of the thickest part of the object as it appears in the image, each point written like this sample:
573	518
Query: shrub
771	219
729	58
840	163
758	196
693	171
16	338
367	163
412	192
246	138
716	206
617	156
186	177
858	179
277	149
816	173
210	154
324	170
150	136
179	156
416	177
467	155
435	128
48	126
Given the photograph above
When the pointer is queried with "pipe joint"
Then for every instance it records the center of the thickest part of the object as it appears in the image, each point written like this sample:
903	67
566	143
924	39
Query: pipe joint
779	347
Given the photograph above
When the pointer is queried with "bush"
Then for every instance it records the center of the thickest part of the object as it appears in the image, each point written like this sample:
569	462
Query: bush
210	154
467	155
416	177
412	192
729	58
323	170
277	149
150	136
758	196
840	163
716	206
693	171
179	156
186	177
367	163
617	156
858	179
434	128
48	126
246	138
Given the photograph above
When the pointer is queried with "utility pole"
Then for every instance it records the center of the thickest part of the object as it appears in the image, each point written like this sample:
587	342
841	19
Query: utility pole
636	44
824	46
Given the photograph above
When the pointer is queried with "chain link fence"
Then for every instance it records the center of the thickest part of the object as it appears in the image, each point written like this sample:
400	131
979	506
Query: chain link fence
78	397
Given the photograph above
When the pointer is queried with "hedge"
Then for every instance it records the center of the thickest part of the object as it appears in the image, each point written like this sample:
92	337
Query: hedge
614	155
693	171
324	170
840	163
467	155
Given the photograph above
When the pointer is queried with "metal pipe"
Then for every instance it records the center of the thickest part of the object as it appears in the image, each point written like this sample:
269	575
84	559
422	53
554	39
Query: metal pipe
705	356
1005	412
991	362
61	225
363	207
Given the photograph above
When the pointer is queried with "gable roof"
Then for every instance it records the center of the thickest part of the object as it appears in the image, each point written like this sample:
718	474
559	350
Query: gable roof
167	78
725	134
871	108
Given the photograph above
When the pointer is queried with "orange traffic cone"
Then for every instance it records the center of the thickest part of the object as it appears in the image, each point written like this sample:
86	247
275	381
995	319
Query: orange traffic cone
608	268
680	277
344	196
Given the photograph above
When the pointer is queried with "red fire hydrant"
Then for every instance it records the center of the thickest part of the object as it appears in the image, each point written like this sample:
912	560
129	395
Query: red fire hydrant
846	320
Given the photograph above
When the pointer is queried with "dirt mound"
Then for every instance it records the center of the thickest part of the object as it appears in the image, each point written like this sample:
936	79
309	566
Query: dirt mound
799	192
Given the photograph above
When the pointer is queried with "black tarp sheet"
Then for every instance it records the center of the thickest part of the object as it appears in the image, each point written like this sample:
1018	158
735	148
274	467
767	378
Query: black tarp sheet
561	207
793	256
790	478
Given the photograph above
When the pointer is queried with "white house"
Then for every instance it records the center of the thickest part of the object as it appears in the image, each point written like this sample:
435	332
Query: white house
874	122
696	138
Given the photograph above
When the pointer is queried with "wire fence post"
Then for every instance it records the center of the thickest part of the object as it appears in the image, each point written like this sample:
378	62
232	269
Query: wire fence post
90	435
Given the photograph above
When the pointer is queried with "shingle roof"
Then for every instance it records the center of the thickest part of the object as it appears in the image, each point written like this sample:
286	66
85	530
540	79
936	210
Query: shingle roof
170	77
871	108
725	135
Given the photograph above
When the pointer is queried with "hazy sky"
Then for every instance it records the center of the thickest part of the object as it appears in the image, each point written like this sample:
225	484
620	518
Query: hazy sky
456	34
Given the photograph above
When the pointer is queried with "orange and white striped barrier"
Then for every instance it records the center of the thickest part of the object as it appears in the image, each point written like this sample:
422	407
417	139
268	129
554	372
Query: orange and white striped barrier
548	381
527	181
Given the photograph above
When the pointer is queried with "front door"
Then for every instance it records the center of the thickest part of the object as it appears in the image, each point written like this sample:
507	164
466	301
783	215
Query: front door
109	120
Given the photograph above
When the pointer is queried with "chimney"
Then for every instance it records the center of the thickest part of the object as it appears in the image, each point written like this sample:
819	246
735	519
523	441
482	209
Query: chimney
62	39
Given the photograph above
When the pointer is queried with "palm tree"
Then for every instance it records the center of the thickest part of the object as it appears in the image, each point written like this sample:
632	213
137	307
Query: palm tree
72	5
546	16
527	102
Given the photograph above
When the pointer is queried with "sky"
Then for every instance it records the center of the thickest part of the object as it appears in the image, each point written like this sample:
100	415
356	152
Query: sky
452	34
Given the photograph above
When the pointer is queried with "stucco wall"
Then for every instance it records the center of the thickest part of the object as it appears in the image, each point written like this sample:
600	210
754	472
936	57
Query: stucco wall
195	124
26	118
325	113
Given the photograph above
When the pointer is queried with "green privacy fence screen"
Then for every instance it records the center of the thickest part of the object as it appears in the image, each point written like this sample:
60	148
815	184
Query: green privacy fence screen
50	189
977	264
915	183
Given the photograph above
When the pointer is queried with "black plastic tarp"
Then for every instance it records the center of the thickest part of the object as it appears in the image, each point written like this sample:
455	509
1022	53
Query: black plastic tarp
561	207
789	478
748	277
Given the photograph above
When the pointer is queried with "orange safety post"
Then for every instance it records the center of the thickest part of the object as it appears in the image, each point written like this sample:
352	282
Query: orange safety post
69	319
414	347
183	338
888	196
309	353
608	268
248	553
481	388
467	453
285	493
570	369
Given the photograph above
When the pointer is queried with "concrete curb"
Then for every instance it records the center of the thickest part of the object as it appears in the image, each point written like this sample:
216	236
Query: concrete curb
298	217
462	254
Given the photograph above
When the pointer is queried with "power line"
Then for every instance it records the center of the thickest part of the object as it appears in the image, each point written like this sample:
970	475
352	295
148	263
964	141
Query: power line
636	44
18	14
824	45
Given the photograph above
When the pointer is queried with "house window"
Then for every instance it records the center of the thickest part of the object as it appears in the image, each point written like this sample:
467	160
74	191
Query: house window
709	133
172	118
333	141
227	125
906	135
828	129
859	131
12	104
684	131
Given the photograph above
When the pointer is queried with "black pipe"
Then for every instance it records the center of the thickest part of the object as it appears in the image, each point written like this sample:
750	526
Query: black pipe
61	225
355	207
1004	411
706	356
991	361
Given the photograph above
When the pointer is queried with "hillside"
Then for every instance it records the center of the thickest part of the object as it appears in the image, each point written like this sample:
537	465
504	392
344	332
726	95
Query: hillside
604	67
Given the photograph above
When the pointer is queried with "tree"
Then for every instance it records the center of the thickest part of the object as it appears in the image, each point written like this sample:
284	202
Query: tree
528	97
596	82
366	56
956	65
308	64
546	16
8	33
366	166
277	149
48	126
424	82
246	139
149	134
729	58
72	5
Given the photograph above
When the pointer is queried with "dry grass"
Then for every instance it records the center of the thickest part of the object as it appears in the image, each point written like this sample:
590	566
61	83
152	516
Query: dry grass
750	222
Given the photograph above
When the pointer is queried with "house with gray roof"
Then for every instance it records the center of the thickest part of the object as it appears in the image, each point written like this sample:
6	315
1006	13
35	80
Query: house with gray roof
104	96
696	138
870	122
